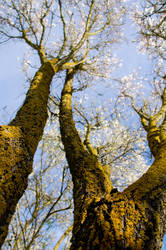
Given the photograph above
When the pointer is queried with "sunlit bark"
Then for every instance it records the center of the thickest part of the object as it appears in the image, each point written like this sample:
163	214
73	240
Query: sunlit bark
19	141
103	217
18	144
66	233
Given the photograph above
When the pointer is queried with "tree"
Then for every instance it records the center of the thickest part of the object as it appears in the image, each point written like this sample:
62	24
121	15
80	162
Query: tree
103	217
34	22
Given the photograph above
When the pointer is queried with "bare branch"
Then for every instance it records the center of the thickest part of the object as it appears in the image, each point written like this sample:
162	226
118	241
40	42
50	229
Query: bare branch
88	131
66	233
64	29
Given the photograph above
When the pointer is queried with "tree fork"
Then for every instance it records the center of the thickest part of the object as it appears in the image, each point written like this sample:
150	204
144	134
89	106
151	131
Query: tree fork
103	217
132	219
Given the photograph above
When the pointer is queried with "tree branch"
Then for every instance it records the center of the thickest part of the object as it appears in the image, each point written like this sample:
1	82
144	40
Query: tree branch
64	29
66	233
88	131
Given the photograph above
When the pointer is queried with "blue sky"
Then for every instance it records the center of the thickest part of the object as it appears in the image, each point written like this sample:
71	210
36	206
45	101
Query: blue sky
12	80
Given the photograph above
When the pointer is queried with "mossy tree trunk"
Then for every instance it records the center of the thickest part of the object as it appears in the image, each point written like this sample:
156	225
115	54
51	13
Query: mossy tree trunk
18	143
103	217
19	139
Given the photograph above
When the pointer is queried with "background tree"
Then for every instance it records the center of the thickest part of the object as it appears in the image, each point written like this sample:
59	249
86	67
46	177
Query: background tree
151	23
151	20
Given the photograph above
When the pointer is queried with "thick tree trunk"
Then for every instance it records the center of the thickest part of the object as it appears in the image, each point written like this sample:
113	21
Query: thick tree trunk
18	143
120	222
19	140
103	217
133	219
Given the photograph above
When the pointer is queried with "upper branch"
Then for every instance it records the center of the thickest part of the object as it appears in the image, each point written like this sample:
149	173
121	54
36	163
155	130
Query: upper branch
64	28
87	136
154	125
46	13
87	29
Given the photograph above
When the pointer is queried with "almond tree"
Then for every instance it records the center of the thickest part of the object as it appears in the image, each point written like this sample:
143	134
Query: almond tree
62	34
103	217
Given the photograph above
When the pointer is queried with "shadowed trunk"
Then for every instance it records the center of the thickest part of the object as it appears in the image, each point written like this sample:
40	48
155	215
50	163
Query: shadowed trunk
103	217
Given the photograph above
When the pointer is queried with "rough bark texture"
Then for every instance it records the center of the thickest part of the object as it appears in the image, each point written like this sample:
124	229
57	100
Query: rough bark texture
19	140
18	143
103	217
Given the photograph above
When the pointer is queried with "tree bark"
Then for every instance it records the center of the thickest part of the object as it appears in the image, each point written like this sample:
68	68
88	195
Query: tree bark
18	144
20	138
103	217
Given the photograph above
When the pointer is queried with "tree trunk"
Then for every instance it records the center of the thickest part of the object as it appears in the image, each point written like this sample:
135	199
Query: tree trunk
20	138
18	144
103	217
132	219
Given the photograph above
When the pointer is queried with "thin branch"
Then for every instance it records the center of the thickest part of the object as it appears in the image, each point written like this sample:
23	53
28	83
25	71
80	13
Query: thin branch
64	29
144	118
54	101
84	36
42	21
88	131
22	228
155	119
66	233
